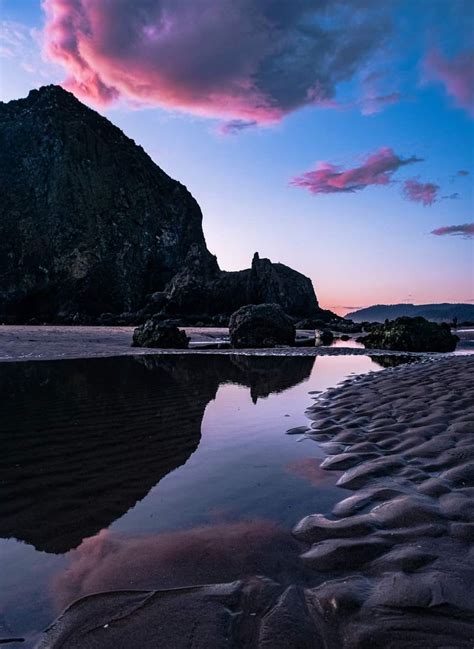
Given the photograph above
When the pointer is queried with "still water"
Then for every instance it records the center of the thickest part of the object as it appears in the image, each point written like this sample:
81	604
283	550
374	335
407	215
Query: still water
154	472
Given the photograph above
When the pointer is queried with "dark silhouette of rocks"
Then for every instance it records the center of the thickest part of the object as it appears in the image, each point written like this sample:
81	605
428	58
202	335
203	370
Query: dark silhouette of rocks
261	325
200	287
411	335
90	225
156	334
88	222
84	440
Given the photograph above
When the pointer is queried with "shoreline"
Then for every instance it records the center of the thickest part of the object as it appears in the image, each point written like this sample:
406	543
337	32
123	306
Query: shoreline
20	343
392	564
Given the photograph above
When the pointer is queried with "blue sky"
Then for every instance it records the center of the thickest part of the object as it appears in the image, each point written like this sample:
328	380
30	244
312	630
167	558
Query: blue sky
360	243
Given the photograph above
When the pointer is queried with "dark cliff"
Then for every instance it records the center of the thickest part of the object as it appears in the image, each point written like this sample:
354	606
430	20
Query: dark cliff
89	224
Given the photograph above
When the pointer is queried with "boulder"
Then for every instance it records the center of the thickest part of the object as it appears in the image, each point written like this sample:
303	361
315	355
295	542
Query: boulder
261	325
411	335
156	334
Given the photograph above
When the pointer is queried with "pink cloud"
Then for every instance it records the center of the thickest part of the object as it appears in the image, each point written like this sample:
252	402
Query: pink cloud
208	554
234	126
466	230
239	60
426	193
377	169
456	74
309	469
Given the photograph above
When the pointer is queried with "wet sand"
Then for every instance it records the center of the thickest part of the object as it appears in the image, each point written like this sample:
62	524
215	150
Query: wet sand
50	342
392	565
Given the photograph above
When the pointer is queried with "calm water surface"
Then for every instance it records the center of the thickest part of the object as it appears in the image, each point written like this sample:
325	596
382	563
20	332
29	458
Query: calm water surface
154	472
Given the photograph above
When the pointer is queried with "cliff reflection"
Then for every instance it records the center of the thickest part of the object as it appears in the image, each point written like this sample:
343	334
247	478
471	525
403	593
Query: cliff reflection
84	440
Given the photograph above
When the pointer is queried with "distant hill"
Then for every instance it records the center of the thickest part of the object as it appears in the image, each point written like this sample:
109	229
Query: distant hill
435	312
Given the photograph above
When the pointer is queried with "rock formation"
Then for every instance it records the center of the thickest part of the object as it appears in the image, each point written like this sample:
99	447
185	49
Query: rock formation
90	225
261	325
88	222
200	287
161	335
411	335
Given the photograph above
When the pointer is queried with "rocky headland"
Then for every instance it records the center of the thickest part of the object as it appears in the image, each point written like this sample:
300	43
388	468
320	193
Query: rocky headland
93	231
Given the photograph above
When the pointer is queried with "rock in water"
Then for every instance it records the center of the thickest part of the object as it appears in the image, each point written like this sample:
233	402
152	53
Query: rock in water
154	334
261	325
411	335
90	225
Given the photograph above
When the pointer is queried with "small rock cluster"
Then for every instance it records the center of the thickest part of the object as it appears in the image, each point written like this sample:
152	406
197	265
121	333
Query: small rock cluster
160	335
411	335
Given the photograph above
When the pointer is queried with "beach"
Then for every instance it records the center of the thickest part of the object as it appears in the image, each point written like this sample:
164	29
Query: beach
236	324
389	565
52	342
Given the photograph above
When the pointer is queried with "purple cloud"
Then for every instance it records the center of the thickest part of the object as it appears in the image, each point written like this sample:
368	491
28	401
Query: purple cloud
234	126
417	192
466	230
463	172
231	59
456	75
377	169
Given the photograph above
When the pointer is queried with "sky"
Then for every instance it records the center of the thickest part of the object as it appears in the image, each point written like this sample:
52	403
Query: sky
334	136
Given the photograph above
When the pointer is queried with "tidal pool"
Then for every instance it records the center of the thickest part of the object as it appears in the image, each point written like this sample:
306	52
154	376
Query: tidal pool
154	472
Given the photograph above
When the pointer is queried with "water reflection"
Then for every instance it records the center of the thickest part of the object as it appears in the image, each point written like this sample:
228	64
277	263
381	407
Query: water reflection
84	440
208	554
392	360
309	468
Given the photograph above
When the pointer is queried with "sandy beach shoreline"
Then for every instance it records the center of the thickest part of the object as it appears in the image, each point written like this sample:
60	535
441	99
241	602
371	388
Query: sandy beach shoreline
392	564
51	342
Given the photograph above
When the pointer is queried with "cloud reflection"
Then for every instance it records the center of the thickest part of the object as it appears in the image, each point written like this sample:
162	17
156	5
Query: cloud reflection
207	554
